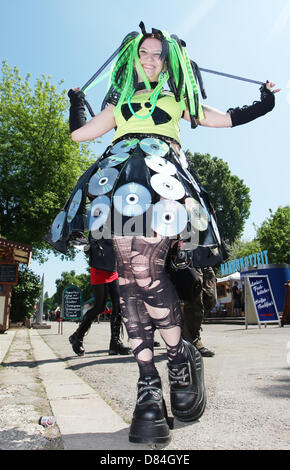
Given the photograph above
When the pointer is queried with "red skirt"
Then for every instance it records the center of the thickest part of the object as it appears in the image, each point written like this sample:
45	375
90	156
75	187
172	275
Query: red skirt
99	276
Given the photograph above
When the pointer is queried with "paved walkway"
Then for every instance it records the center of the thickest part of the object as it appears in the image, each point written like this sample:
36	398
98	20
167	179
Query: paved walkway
85	420
93	397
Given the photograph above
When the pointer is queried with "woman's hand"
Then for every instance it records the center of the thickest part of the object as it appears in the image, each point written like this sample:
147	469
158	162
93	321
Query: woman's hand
270	85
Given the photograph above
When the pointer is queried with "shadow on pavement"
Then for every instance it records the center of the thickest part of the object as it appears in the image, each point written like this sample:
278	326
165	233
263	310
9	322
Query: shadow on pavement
279	388
103	442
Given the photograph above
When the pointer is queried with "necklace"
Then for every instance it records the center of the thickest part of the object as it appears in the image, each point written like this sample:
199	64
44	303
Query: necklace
153	105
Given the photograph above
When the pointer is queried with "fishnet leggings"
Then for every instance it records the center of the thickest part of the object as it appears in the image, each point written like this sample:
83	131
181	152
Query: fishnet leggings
148	299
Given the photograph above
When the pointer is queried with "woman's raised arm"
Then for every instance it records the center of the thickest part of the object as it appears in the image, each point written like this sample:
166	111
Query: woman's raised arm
97	126
237	116
82	131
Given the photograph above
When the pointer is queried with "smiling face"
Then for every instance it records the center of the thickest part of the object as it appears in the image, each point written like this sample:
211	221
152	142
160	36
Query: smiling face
149	54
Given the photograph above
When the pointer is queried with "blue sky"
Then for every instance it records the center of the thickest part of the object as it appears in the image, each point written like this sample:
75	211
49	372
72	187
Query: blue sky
70	40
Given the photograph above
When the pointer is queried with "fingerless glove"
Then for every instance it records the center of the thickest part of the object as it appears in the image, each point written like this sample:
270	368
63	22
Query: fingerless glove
246	114
77	117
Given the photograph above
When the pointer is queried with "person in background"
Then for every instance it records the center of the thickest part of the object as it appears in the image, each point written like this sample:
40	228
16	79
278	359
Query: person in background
104	283
202	301
237	294
196	288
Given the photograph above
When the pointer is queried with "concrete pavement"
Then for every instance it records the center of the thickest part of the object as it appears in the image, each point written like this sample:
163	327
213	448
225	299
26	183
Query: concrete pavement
5	342
85	421
92	397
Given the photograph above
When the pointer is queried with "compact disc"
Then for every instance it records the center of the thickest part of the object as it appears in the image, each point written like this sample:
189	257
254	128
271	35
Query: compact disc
167	186
160	165
74	205
102	181
215	228
182	159
132	199
169	218
153	146
192	180
124	146
97	212
204	206
196	214
194	183
57	226
114	160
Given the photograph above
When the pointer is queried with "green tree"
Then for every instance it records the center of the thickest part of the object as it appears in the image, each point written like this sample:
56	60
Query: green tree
69	279
228	194
240	248
274	235
39	162
48	303
24	295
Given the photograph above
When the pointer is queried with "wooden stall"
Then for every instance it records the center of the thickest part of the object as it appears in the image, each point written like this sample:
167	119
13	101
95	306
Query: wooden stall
11	254
225	293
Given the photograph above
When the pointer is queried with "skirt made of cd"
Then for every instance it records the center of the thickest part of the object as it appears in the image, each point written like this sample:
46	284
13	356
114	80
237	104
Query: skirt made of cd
139	187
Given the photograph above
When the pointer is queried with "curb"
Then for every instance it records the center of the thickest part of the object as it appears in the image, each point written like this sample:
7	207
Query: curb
5	341
85	421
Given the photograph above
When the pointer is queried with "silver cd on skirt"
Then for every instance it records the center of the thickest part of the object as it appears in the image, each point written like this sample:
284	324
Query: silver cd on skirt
167	186
57	226
132	199
102	181
124	146
197	215
160	165
114	160
74	205
169	218
153	146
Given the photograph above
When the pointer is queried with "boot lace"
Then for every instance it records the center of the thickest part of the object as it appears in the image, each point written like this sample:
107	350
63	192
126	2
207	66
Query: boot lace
148	388
179	375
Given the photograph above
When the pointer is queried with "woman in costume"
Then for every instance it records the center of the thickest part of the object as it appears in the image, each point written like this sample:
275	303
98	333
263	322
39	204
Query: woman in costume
143	197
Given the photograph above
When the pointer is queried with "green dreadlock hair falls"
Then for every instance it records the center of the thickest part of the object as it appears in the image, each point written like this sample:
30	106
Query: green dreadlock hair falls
179	75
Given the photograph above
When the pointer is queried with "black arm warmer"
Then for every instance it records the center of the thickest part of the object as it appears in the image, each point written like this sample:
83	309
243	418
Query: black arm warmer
258	108
77	117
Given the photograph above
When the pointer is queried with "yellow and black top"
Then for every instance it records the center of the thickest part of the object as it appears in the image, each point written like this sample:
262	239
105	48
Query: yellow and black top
164	119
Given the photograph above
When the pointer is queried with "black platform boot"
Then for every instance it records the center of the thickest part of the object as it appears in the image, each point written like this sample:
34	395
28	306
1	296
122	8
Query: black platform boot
187	389
116	345
77	344
150	423
76	339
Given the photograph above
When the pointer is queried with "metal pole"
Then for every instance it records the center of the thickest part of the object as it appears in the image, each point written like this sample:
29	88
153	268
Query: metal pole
236	77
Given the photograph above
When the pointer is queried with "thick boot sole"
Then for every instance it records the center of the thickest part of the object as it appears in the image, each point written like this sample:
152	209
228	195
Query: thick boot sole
113	352
191	415
149	432
118	349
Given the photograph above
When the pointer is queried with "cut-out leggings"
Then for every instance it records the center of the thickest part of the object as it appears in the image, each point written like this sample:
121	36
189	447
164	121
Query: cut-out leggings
148	299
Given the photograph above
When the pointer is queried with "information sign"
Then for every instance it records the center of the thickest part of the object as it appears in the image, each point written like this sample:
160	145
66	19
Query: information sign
72	303
260	304
8	273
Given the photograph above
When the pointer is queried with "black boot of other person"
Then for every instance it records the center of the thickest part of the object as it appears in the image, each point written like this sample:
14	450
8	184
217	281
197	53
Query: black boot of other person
77	344
116	345
187	389
76	339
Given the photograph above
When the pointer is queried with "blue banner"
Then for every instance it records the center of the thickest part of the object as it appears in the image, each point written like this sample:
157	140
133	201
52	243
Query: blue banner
263	299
